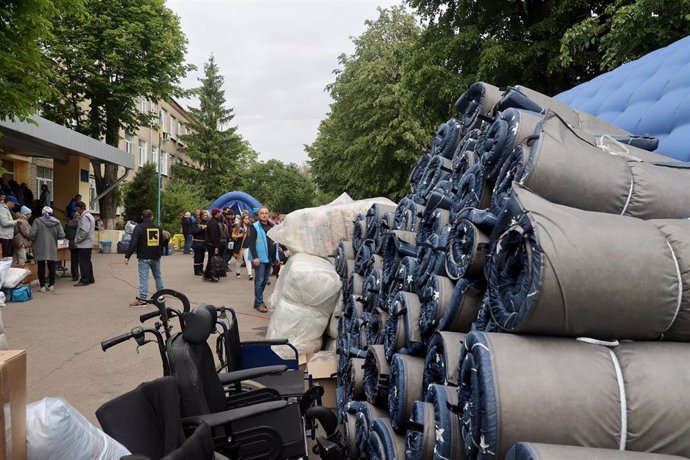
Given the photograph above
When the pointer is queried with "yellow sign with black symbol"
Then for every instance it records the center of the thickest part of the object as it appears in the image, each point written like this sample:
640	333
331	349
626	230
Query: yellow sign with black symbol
153	237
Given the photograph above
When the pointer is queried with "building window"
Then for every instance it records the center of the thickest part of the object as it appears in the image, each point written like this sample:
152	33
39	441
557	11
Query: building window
154	156
8	175
182	129
44	176
142	153
173	125
142	104
163	121
128	143
95	207
164	163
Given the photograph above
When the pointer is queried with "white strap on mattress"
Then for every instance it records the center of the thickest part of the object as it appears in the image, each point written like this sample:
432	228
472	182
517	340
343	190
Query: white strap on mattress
679	298
630	192
603	343
623	400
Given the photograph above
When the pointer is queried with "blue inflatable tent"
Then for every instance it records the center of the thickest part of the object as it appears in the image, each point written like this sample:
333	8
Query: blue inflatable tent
648	96
237	201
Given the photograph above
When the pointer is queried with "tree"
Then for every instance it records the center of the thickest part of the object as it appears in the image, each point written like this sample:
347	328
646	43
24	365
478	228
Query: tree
370	139
106	59
141	193
177	198
213	143
626	30
25	72
279	186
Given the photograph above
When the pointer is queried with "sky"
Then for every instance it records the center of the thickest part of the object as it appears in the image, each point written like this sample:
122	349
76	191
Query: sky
277	58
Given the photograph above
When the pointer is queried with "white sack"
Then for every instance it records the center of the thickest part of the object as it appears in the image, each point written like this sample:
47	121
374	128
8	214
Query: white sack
318	231
55	431
14	276
303	301
4	267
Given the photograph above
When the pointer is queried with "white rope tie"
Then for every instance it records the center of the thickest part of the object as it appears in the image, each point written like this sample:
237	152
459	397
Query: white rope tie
624	402
603	343
679	298
630	192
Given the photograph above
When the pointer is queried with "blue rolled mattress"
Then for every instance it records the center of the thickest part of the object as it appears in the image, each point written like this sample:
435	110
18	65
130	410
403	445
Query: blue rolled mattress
462	162
405	387
371	288
473	190
366	414
402	332
464	306
449	443
343	253
435	299
408	214
350	430
628	396
417	171
441	364
485	321
397	244
562	271
365	256
434	221
476	103
359	232
431	258
447	137
420	438
537	451
353	379
468	243
374	217
384	442
376	325
386	224
565	166
438	169
376	376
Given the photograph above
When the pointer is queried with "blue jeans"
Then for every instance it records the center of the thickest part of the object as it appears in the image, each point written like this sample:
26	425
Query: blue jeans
144	265
187	249
261	274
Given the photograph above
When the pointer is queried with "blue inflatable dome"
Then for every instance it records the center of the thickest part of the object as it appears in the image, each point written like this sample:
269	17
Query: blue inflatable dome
237	201
648	96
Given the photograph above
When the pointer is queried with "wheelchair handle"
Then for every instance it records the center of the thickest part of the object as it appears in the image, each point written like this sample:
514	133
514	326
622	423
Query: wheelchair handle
155	298
120	338
147	316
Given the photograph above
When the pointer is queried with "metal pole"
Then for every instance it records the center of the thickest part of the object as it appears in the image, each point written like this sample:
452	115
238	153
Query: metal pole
160	153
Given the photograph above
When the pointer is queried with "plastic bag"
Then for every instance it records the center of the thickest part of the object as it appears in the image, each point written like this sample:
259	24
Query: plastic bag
14	276
4	267
129	227
303	301
57	431
318	231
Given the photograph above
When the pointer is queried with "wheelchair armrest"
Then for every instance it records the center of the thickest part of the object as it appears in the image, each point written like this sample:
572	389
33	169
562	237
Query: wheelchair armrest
229	416
228	378
254	343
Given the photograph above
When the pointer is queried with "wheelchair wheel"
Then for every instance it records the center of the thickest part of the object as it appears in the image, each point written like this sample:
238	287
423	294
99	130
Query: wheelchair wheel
249	385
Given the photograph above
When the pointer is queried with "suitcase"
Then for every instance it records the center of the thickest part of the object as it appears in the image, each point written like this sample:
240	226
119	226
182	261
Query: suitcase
218	266
122	247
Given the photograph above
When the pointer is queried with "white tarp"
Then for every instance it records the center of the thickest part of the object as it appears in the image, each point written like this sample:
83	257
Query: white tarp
303	300
318	231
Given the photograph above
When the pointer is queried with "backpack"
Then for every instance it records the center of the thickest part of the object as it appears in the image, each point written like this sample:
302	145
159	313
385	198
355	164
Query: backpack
217	266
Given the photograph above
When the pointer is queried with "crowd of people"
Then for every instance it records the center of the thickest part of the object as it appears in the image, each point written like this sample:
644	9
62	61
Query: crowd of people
225	242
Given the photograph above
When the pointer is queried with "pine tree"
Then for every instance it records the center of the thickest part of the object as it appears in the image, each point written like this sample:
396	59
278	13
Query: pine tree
213	143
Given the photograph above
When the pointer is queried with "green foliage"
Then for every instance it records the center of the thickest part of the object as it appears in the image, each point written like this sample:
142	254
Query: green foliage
212	142
370	139
281	187
25	73
177	198
626	30
141	193
105	58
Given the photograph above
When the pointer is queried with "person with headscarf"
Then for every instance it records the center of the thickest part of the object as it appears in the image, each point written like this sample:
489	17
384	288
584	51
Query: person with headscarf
21	243
45	232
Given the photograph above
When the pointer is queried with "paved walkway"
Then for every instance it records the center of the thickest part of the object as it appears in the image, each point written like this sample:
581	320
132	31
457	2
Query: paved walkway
62	330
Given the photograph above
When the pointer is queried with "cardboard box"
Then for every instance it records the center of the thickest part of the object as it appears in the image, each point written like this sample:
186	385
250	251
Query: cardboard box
13	398
323	367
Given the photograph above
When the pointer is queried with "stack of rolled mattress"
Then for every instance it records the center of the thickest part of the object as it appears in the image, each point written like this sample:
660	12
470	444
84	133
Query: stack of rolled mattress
527	217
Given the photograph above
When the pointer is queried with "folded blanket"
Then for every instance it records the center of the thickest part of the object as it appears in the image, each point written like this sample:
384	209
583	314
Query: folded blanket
366	414
442	359
384	443
447	425
405	388
566	167
408	214
535	451
562	271
435	297
565	391
421	434
468	243
431	258
463	307
376	375
477	102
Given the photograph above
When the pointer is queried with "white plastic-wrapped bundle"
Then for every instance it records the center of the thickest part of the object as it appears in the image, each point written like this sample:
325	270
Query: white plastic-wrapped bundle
304	299
3	338
318	231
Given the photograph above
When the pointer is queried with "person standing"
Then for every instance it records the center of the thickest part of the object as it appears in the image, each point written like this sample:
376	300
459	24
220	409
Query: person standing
22	237
263	252
83	240
70	234
187	229
45	232
199	242
216	239
229	223
7	224
72	206
147	240
240	235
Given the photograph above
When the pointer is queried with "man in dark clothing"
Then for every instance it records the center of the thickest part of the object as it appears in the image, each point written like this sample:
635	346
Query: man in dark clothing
72	206
229	222
147	240
263	252
216	239
199	242
70	233
187	230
